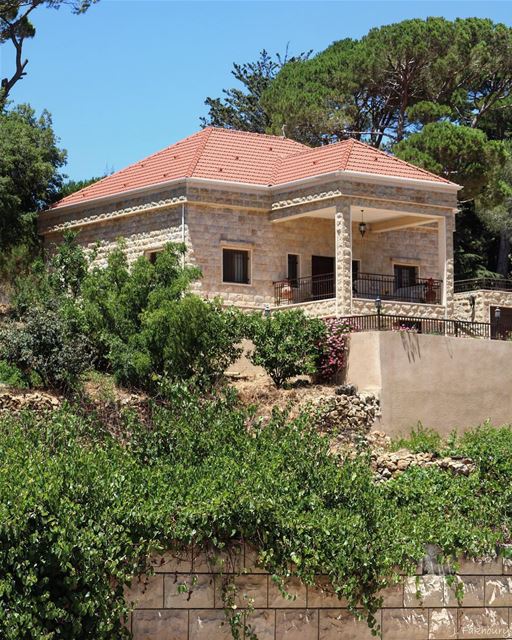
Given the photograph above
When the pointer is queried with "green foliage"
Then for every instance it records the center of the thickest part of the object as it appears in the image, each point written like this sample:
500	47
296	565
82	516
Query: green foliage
420	440
241	108
47	340
395	79
139	322
29	171
461	154
11	376
49	345
287	343
80	511
185	339
146	325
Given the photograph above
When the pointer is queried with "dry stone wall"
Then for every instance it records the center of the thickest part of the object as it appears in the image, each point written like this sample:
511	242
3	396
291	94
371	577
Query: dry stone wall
183	601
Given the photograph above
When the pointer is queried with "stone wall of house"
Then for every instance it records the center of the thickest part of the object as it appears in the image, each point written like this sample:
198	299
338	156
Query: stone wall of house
317	309
212	229
421	310
183	601
484	300
216	217
414	246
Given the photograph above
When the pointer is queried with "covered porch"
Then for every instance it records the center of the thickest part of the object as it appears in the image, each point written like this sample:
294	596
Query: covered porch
396	253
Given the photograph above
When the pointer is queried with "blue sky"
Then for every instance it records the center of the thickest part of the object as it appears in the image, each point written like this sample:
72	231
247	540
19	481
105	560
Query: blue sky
130	77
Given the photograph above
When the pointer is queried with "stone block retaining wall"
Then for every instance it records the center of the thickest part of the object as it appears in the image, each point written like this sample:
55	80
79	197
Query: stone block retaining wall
421	607
484	300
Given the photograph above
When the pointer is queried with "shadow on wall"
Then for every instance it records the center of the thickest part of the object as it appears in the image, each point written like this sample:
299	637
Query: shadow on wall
411	344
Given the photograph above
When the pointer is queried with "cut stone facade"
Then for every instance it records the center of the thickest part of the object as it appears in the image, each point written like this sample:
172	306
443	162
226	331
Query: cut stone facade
317	220
183	601
480	311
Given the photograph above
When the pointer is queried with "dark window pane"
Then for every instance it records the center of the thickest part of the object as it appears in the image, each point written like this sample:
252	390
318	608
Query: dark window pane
235	266
293	268
355	269
405	276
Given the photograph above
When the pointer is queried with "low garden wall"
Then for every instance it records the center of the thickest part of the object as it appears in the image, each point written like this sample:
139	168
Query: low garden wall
183	600
442	382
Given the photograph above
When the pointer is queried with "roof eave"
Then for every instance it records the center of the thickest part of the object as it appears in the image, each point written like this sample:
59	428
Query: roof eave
449	187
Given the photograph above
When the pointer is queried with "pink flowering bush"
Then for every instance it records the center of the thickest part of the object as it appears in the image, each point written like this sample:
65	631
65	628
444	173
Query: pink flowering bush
334	347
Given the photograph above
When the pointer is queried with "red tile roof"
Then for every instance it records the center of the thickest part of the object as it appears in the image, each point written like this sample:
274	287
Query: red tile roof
251	158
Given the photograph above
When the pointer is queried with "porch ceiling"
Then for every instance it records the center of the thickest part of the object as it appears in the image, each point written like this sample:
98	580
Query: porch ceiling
378	220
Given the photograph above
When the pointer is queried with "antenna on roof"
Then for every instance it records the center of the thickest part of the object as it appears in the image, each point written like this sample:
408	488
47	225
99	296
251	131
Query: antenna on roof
283	131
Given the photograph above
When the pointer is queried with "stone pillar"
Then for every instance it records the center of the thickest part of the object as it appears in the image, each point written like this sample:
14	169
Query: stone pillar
445	228
343	260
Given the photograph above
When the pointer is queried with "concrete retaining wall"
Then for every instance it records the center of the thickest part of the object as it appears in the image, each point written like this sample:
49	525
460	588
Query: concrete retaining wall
162	613
443	382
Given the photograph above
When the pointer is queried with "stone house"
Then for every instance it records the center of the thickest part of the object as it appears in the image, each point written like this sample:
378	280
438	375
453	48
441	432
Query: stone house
272	222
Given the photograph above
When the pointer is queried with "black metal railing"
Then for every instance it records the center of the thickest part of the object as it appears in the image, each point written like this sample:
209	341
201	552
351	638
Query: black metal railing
365	285
305	289
433	326
488	284
375	285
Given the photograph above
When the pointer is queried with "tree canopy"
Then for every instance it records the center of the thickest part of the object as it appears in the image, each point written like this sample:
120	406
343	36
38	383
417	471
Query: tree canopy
241	108
30	163
396	79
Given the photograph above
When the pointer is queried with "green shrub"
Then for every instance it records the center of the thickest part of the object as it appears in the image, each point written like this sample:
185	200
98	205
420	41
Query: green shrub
420	440
11	375
147	326
80	511
47	345
286	344
138	322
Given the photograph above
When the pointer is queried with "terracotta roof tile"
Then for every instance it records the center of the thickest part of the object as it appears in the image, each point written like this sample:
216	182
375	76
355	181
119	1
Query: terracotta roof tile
251	158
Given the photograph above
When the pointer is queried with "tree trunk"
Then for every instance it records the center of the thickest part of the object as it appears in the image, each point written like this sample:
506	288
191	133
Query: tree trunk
503	253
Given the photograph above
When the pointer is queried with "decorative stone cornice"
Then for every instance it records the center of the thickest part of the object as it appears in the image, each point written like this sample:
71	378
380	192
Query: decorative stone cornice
316	197
97	218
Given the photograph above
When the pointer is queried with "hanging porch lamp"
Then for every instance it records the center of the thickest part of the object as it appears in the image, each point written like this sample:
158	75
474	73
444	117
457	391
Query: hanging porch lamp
362	224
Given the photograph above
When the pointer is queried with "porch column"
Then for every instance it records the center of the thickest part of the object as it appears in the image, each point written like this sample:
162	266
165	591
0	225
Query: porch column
445	228
343	261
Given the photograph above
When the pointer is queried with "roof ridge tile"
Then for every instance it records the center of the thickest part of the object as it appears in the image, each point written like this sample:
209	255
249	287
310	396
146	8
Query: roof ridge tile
207	132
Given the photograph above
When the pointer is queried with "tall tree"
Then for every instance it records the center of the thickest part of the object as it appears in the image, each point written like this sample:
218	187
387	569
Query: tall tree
396	79
241	108
494	208
30	163
460	154
16	28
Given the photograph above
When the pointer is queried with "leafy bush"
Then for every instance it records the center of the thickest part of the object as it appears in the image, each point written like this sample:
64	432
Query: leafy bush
333	348
48	345
148	326
137	322
80	511
286	343
421	440
11	375
186	339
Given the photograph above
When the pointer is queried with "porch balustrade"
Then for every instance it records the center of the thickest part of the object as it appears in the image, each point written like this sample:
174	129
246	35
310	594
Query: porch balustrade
365	285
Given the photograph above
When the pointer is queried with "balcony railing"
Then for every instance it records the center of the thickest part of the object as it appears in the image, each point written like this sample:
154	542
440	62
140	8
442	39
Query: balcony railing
366	285
433	326
375	285
488	284
305	289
